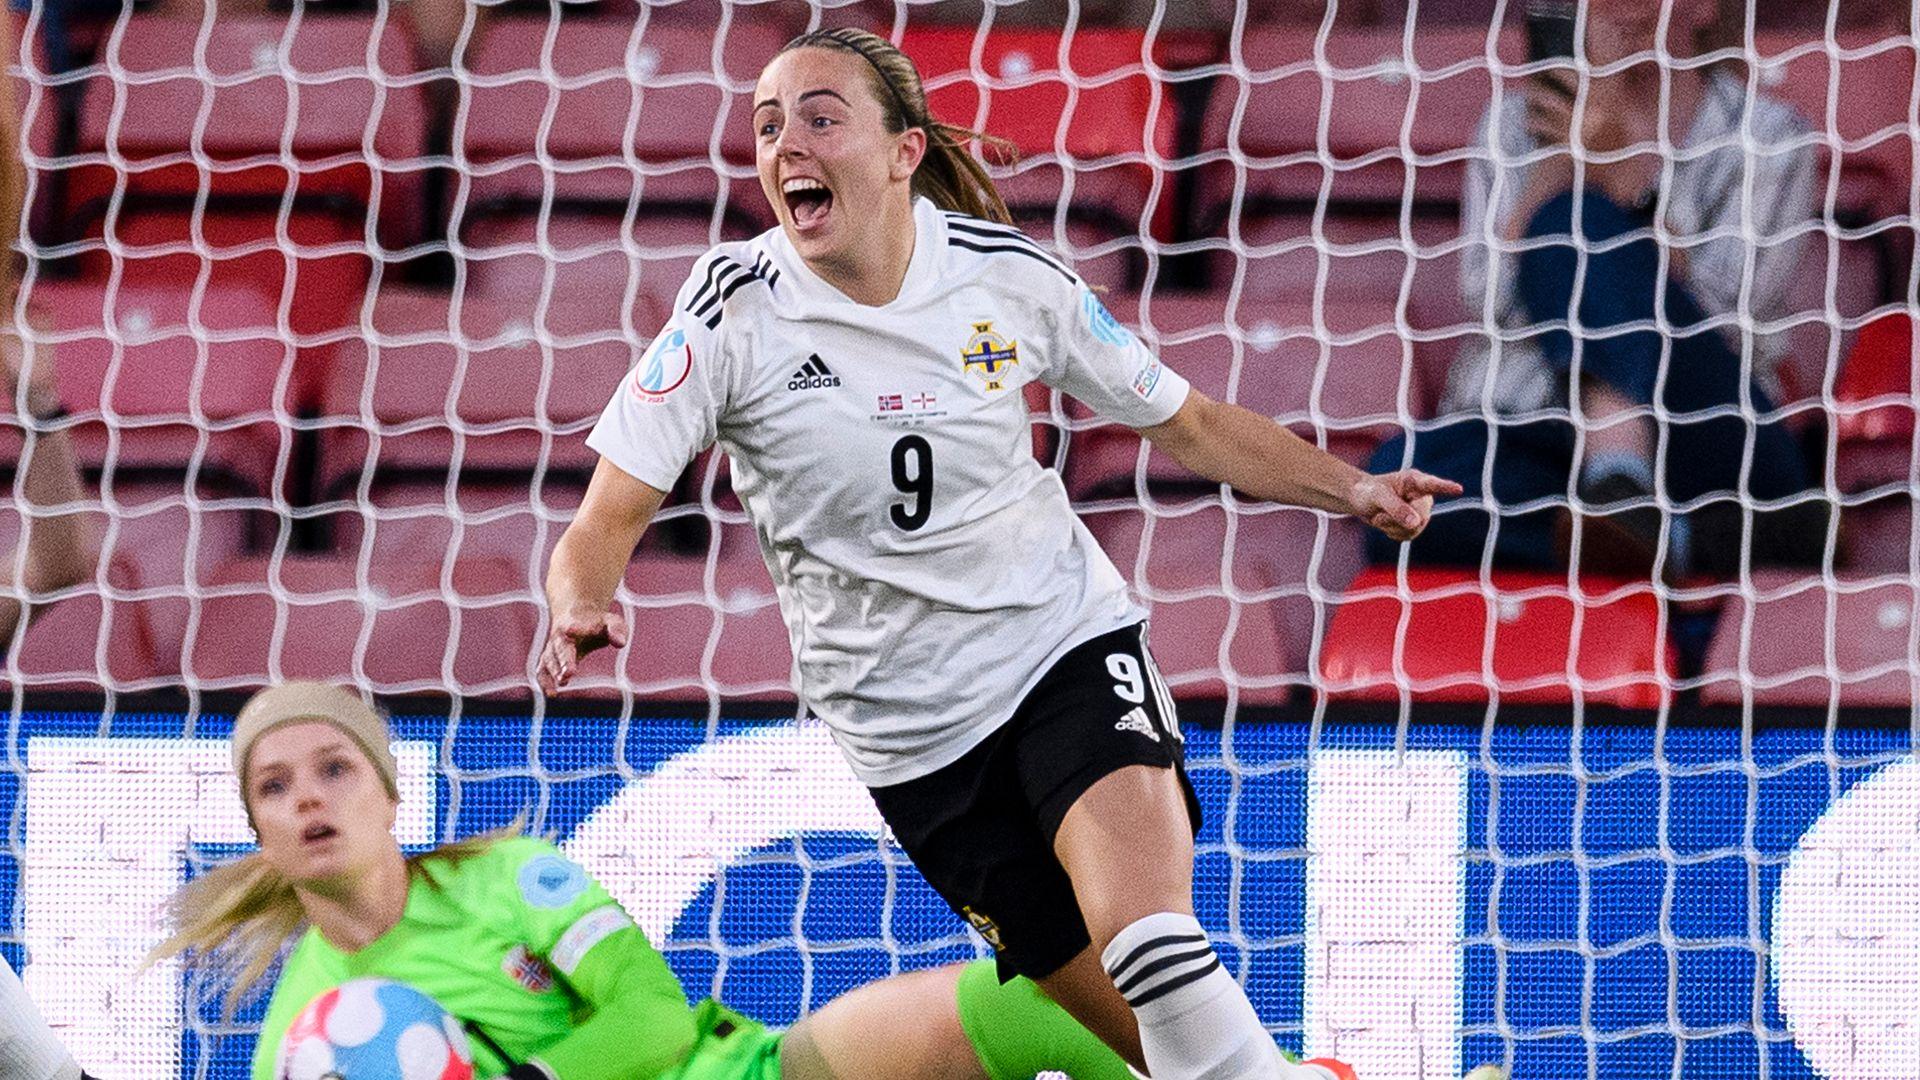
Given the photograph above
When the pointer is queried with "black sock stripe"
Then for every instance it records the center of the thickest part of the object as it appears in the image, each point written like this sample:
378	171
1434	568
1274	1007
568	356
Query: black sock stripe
1138	978
1167	941
1175	983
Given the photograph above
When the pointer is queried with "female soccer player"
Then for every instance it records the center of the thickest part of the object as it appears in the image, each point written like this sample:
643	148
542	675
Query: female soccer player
974	651
546	970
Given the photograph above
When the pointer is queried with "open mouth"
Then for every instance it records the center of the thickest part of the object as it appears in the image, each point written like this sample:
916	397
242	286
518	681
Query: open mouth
808	202
313	834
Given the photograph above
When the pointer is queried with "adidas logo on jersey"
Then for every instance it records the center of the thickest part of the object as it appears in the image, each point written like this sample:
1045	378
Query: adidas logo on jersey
1137	722
813	375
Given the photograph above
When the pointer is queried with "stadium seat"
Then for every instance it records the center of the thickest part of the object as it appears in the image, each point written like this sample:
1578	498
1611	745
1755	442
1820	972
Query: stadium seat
353	131
507	256
1514	636
96	637
1396	126
1271	359
1782	630
510	520
1095	151
1868	90
1196	577
417	399
651	109
1874	395
320	270
692	639
161	385
388	626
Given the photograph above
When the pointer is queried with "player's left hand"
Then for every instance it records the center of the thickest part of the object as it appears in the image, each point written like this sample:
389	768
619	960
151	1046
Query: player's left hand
1399	503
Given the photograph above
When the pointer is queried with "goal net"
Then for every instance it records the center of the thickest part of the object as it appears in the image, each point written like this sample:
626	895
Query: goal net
331	295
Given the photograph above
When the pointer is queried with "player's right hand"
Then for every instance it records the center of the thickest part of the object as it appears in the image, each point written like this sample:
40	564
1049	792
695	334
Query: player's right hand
573	636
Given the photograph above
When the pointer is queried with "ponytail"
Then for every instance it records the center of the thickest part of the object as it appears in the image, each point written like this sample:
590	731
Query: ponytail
949	175
232	921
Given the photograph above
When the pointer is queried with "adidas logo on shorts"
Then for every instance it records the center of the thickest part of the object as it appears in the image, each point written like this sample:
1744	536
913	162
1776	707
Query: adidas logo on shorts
1137	722
813	375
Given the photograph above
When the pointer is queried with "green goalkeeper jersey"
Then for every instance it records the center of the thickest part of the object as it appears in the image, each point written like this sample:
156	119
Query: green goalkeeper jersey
520	944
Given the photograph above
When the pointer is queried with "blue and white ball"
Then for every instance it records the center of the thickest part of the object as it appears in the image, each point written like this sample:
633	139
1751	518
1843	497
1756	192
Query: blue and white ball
374	1029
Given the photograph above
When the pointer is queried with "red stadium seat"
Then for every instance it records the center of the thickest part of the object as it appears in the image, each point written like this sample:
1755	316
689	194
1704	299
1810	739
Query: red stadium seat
511	520
487	397
305	617
1397	126
353	131
653	109
1457	638
508	260
1088	135
1342	386
161	383
95	637
1868	138
1196	577
1774	645
692	638
1875	397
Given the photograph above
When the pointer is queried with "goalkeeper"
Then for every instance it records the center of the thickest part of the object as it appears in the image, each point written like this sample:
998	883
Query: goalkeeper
549	975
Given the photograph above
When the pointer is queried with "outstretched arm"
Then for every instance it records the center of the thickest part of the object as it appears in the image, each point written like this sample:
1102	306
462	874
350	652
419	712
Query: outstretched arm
587	566
1234	446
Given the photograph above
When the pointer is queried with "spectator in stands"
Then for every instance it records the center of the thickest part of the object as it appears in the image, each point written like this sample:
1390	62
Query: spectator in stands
54	551
1624	224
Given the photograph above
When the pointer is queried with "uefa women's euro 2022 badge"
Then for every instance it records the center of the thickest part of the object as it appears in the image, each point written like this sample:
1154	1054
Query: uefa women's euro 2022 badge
664	368
988	355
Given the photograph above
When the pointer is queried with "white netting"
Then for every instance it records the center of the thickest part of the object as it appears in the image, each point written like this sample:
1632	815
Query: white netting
333	296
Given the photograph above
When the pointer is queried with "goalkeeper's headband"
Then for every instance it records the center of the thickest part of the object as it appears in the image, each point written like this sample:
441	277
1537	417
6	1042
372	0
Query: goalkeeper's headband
298	702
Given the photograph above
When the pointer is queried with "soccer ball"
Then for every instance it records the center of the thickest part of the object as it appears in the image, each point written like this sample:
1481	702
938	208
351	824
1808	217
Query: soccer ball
374	1029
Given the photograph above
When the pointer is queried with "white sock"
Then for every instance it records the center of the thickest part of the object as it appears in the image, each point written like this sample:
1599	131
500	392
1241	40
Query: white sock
28	1048
1195	1021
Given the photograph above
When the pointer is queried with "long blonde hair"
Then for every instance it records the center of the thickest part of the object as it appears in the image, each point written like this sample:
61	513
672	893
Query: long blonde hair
232	921
949	175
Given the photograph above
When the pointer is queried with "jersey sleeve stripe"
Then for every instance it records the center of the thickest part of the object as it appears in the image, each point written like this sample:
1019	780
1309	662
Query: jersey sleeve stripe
713	269
1001	234
1017	250
727	272
713	321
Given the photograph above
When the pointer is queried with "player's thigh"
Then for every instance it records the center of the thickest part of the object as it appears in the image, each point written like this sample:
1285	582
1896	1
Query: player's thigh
1127	844
900	1027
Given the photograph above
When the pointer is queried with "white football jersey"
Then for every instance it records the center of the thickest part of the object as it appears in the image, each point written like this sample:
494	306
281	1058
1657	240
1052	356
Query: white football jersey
928	568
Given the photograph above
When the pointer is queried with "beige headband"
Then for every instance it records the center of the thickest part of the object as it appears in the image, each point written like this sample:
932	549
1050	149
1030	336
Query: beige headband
293	702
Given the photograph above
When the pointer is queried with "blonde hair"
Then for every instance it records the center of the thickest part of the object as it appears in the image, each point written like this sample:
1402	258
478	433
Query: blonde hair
232	921
949	174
